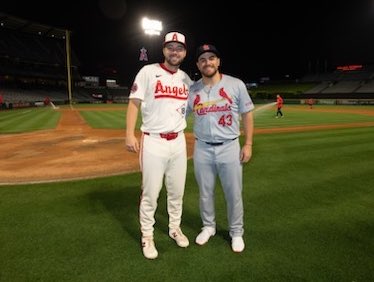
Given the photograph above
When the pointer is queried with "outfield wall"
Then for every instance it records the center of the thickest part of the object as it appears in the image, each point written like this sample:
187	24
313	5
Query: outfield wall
319	101
340	101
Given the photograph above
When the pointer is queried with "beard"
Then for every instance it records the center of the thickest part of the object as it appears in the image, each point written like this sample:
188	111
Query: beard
208	73
174	61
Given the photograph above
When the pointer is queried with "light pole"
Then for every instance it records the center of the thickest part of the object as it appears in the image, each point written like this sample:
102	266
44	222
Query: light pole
151	28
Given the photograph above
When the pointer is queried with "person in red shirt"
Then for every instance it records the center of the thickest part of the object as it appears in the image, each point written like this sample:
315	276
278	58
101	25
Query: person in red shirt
279	106
1	101
47	101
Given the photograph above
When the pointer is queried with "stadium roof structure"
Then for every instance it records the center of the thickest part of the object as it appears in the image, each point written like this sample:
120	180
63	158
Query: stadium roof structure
27	26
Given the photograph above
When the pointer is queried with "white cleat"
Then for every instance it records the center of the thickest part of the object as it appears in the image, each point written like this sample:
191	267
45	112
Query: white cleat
237	244
149	249
204	235
179	237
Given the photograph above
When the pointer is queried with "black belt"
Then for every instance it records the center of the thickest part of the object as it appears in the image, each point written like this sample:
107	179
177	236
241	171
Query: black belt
219	143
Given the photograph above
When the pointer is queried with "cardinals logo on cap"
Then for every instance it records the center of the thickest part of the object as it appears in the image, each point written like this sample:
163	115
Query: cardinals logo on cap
206	47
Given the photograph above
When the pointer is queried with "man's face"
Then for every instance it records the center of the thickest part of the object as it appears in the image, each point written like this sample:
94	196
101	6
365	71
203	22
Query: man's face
174	53
208	64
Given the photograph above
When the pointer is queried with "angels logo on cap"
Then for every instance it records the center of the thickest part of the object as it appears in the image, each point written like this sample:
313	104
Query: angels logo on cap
175	36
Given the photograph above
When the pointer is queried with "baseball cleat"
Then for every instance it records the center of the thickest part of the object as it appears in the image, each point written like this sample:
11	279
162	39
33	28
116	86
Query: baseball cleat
204	235
237	244
179	237
149	249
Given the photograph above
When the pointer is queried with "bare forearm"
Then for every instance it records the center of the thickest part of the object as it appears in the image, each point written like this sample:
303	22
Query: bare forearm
132	143
248	128
131	116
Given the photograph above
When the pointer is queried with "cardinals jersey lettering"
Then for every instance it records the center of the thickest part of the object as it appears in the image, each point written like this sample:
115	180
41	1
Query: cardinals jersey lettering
217	109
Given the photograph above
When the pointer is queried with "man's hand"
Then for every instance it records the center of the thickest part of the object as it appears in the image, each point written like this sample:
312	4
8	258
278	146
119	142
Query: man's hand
132	144
245	153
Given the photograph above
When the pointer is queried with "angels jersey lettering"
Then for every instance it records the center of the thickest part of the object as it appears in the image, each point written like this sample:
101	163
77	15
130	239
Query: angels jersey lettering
164	97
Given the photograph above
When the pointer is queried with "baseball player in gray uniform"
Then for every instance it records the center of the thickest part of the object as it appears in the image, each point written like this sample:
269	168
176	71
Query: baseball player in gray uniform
219	104
161	91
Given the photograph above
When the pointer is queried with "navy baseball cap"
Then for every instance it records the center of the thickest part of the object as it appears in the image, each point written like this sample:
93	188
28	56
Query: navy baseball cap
206	48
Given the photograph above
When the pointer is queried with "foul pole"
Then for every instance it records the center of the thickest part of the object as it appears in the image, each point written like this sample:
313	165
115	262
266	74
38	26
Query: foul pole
68	63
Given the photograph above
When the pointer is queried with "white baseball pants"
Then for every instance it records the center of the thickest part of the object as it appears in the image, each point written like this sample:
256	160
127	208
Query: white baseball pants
162	160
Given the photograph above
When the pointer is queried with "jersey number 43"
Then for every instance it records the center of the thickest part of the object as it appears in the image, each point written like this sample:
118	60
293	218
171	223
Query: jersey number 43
225	120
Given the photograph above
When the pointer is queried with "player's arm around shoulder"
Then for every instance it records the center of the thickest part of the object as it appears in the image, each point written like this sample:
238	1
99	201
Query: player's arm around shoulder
132	143
248	127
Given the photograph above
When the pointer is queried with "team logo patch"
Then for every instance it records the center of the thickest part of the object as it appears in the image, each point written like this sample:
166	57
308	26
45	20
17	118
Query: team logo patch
134	87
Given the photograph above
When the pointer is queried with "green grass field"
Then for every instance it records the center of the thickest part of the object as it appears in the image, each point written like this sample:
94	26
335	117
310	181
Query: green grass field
27	120
308	200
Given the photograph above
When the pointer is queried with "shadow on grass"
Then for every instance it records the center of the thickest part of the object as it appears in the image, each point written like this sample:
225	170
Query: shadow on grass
123	205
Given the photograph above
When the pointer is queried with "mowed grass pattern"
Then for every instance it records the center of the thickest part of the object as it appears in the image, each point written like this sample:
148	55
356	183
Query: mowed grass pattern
26	120
314	191
264	117
105	119
308	200
302	116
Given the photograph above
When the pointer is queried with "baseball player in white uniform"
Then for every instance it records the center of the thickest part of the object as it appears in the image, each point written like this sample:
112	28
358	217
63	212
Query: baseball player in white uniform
160	91
219	103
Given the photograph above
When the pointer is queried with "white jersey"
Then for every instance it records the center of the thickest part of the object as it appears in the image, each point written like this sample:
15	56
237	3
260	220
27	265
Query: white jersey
164	98
217	109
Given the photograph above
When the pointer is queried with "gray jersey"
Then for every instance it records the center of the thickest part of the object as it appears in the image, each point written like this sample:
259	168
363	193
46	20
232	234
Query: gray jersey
217	109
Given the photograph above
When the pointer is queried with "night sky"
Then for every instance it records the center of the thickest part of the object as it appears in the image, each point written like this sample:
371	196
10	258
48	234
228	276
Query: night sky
262	38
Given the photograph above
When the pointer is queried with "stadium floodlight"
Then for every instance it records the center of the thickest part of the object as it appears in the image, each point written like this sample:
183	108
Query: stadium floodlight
151	27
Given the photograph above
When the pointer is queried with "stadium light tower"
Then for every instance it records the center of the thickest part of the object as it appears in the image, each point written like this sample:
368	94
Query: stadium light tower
151	28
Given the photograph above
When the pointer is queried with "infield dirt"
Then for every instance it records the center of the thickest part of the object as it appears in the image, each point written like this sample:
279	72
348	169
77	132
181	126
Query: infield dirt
76	151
